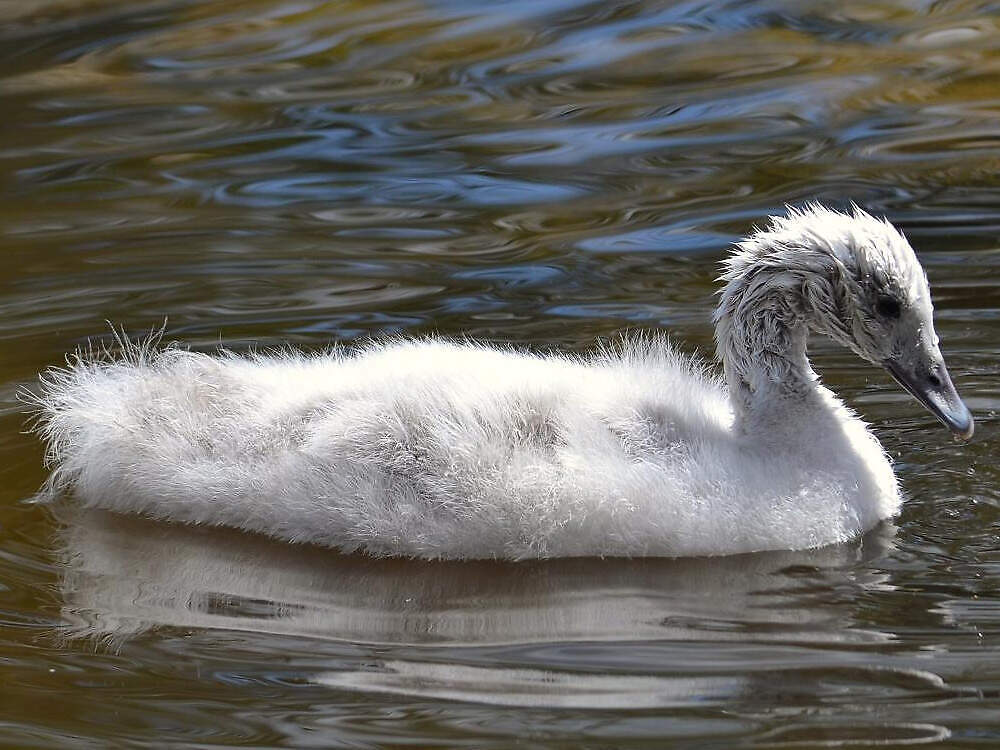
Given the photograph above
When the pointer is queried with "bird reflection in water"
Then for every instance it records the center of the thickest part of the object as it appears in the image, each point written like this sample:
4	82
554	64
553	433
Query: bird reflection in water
123	576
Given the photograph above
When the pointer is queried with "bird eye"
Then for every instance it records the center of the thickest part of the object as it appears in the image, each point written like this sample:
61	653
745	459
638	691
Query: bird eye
887	306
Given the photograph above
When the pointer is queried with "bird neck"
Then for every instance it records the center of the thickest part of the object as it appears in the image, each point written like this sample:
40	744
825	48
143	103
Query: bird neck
761	336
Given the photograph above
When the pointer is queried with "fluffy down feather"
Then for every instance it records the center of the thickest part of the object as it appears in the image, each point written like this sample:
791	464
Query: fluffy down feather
438	449
444	450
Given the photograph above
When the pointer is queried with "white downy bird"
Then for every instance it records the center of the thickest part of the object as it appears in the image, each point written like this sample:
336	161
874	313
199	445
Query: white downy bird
453	450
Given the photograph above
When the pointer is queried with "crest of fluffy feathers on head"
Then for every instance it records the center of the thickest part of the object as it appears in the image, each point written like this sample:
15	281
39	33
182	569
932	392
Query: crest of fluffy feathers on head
816	268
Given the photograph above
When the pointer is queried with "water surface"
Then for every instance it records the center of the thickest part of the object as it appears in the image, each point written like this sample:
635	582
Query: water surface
543	172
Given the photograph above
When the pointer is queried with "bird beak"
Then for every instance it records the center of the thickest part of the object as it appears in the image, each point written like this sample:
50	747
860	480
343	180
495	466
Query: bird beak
932	387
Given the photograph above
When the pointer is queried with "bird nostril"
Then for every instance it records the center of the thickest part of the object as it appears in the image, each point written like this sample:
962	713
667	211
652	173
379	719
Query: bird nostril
934	380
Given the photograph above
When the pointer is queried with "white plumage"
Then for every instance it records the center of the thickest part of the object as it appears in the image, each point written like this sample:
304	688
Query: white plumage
446	450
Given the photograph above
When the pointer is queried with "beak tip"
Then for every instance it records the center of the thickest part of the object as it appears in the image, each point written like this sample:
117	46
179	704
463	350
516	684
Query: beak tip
964	428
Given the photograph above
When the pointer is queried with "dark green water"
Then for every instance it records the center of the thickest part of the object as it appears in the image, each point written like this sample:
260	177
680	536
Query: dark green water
545	172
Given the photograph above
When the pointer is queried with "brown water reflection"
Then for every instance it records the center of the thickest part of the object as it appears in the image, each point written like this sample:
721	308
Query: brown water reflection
546	172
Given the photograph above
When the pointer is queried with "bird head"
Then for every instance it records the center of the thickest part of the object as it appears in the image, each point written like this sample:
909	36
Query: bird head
860	282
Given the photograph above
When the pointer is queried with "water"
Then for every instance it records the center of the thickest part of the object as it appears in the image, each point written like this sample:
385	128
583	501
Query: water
546	173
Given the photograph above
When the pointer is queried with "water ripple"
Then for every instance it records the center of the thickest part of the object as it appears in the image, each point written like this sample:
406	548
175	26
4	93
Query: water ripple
540	172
